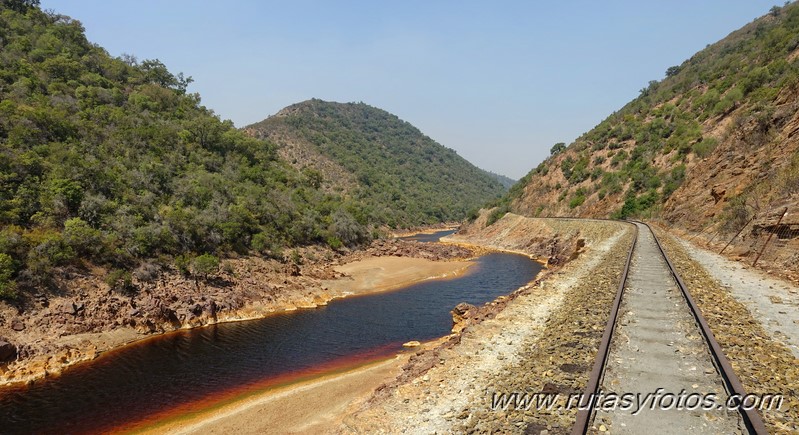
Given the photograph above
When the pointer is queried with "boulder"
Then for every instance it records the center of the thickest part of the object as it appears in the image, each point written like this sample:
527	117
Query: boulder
460	313
17	325
68	308
8	351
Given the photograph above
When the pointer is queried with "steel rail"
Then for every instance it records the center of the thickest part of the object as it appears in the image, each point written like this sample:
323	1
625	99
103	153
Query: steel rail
586	410
751	419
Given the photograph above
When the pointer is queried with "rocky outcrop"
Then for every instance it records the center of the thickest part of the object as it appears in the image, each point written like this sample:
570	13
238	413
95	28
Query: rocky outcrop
409	248
460	314
552	241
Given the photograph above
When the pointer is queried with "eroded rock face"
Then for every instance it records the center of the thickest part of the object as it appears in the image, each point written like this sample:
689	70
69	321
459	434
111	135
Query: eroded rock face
718	192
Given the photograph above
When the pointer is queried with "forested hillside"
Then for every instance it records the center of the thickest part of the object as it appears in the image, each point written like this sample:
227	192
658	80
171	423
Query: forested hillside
110	161
401	176
713	141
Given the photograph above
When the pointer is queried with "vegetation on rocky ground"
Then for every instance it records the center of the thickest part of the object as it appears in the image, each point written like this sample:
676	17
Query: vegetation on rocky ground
633	161
112	162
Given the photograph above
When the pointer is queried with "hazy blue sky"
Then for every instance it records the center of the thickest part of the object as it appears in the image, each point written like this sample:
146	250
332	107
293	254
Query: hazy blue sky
499	82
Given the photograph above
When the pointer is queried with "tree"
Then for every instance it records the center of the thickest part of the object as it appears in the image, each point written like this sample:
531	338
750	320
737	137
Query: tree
557	148
206	264
20	5
673	71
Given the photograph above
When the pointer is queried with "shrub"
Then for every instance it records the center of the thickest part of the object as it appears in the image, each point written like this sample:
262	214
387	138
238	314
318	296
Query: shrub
704	147
334	242
146	272
735	214
49	250
82	238
619	157
346	229
183	263
578	199
295	257
557	148
227	267
7	286
120	280
497	214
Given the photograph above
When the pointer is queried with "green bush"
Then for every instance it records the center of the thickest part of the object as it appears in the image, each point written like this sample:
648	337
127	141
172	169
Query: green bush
578	199
119	280
497	214
7	269
183	263
81	238
704	147
557	148
334	242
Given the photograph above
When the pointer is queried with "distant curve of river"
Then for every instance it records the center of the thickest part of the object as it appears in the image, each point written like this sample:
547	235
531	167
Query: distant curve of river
182	370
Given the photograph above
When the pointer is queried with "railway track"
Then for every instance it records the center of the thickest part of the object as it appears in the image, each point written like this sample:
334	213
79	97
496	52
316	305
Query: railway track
656	340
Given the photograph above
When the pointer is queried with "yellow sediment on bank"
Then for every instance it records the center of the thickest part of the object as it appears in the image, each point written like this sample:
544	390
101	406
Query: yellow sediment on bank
313	406
377	274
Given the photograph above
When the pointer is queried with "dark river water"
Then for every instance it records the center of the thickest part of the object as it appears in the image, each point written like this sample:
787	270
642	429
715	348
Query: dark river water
183	372
432	237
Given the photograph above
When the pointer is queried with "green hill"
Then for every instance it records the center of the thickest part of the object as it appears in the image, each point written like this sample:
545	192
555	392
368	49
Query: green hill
401	176
111	161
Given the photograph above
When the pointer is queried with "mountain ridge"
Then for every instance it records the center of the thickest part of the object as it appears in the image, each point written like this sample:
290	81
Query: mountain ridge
404	176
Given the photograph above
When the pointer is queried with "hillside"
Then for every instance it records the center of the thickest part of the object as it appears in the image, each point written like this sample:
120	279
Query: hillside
713	142
402	177
110	162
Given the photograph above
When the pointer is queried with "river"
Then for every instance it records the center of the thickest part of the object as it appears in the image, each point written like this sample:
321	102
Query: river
185	371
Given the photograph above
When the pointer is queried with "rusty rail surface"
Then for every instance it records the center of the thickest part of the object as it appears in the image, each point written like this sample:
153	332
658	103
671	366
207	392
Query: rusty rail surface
585	412
751	419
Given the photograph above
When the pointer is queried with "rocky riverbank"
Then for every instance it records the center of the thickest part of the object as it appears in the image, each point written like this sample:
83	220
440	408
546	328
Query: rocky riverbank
82	316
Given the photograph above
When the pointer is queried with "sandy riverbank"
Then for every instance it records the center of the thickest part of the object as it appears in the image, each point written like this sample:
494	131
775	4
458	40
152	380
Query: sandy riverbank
312	406
376	274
